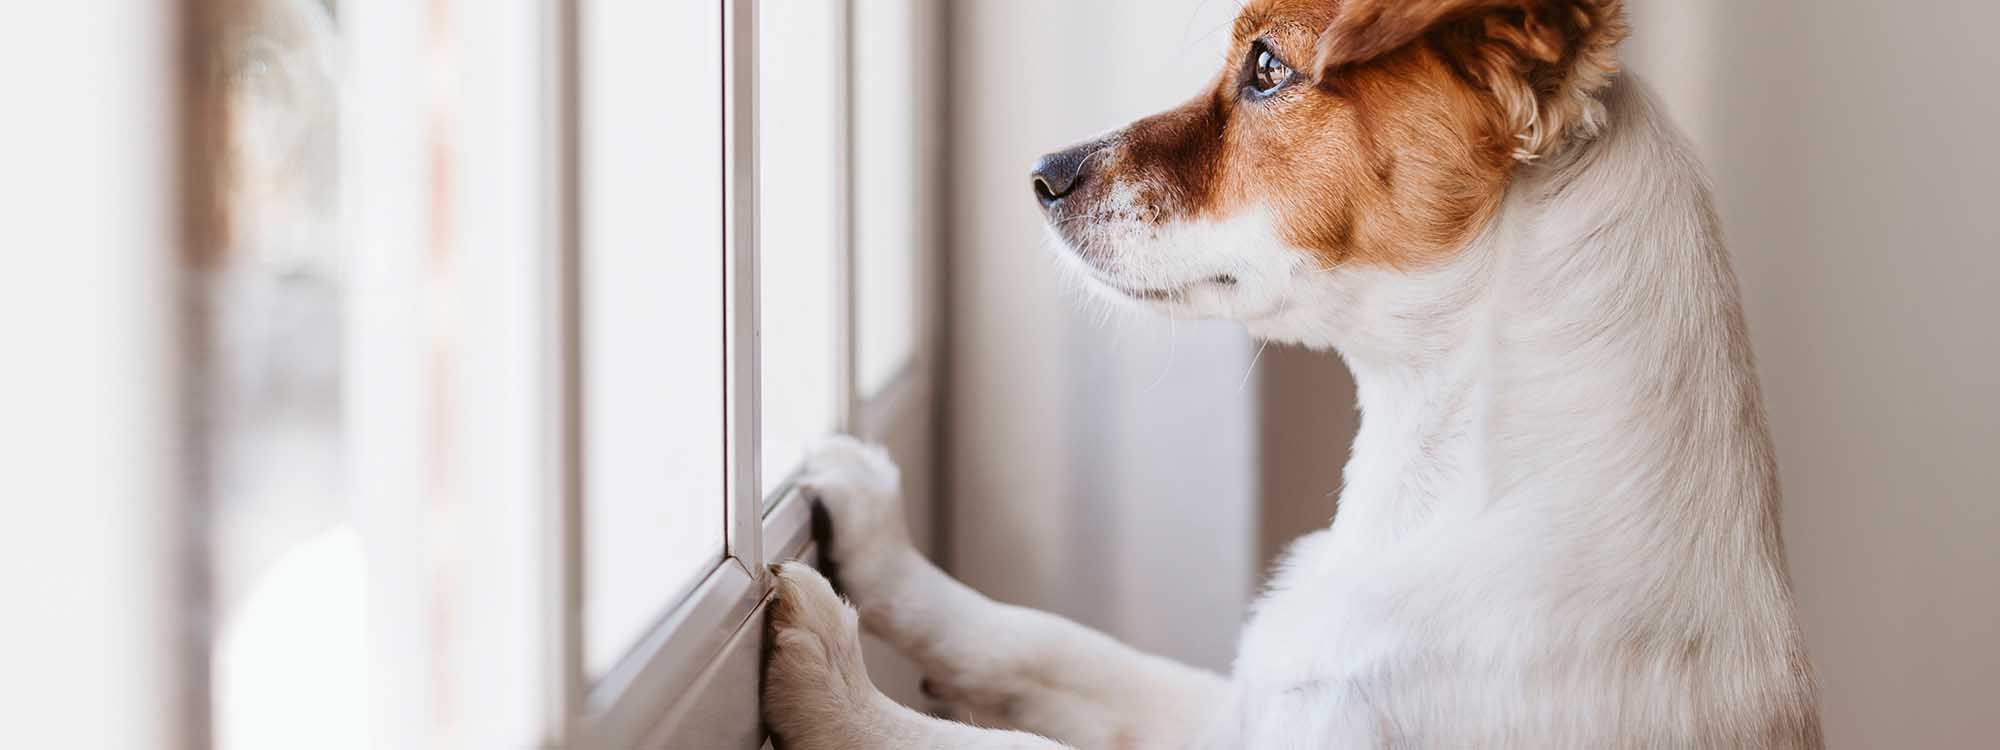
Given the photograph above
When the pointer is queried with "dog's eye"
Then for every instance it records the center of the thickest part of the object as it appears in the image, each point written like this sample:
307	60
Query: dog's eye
1267	72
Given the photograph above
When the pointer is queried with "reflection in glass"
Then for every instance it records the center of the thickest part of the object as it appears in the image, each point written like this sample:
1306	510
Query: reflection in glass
289	645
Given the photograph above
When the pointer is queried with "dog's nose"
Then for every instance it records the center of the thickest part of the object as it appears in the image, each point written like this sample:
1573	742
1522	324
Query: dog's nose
1061	173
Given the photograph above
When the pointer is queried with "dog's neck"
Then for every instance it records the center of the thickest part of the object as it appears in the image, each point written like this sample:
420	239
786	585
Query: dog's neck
1585	361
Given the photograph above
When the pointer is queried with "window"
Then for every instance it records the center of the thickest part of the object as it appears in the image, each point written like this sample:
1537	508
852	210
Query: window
289	580
886	69
801	227
776	233
650	299
510	322
370	363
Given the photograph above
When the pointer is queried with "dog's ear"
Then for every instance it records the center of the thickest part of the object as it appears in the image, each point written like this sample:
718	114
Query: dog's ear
1545	61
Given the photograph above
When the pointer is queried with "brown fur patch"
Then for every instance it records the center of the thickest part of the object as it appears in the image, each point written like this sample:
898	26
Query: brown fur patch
1543	61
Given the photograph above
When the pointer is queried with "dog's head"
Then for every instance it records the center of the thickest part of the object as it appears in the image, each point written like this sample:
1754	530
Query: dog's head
1342	135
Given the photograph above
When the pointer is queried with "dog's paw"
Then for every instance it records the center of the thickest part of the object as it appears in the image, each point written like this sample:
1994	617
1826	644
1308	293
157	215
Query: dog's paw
815	686
857	485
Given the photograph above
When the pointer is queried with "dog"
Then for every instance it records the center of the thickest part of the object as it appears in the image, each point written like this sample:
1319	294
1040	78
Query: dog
1560	521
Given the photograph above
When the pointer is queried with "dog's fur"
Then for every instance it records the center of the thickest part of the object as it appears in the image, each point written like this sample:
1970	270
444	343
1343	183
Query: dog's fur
1560	521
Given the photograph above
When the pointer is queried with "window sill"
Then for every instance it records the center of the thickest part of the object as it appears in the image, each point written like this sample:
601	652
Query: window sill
696	655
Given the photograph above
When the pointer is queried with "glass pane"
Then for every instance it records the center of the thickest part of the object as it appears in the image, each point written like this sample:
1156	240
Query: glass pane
652	313
798	230
369	361
290	582
885	191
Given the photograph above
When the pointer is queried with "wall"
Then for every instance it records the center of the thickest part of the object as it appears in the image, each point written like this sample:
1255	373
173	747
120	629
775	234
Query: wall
92	558
1099	463
1852	146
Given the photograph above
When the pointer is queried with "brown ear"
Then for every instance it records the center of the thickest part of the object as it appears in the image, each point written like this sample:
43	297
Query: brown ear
1544	60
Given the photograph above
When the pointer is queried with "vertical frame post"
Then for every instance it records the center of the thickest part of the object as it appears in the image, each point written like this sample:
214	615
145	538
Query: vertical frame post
563	395
744	514
845	380
197	46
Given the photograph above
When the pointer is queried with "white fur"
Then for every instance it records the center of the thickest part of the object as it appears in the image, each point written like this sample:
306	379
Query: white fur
1560	520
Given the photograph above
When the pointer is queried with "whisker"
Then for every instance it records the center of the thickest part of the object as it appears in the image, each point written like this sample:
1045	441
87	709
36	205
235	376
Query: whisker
1253	366
1173	348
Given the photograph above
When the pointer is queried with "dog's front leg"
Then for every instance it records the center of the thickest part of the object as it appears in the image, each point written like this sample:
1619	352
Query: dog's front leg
817	695
1005	664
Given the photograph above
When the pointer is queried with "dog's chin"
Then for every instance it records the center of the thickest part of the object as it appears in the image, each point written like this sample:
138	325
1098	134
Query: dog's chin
1190	271
1203	298
1104	281
1215	297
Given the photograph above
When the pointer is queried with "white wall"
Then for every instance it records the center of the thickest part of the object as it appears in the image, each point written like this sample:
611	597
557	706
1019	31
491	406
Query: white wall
1853	146
92	558
1098	466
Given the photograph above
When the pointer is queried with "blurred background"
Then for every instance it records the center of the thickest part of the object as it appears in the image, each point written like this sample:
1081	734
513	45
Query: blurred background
431	374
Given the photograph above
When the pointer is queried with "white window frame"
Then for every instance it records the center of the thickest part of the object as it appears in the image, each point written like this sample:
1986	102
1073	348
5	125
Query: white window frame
693	674
623	705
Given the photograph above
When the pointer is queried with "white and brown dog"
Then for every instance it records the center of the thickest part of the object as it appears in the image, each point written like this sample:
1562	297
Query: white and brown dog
1560	522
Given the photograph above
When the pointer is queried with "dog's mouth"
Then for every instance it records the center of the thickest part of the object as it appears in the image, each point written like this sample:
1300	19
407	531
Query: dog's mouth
1171	293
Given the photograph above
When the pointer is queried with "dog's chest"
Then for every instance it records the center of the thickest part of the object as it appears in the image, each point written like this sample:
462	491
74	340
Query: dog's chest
1306	670
1313	650
1343	651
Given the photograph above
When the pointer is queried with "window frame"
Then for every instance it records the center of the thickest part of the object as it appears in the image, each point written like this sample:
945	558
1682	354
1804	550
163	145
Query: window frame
690	668
620	706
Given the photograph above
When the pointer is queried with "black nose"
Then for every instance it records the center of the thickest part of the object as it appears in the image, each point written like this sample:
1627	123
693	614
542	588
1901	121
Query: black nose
1061	173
